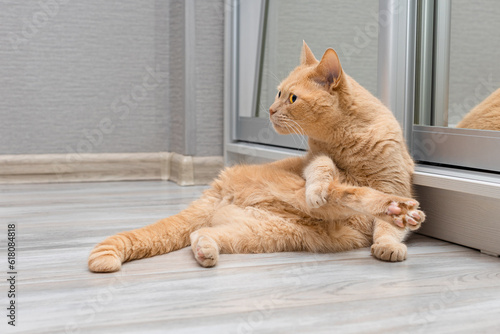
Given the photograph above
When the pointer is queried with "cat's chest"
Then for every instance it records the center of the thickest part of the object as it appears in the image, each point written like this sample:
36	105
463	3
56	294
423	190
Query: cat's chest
359	172
352	176
354	161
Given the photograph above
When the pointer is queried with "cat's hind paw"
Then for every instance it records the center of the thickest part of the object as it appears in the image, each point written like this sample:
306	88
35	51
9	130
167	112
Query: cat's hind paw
205	249
405	214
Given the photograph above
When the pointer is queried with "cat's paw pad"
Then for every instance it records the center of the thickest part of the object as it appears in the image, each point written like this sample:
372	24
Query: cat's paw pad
205	249
316	195
405	214
414	219
392	252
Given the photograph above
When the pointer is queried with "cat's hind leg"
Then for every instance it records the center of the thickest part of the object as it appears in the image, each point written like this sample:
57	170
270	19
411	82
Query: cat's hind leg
164	236
205	248
238	230
252	230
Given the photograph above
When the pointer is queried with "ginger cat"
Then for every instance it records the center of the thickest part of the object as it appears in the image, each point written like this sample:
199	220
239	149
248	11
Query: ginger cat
351	190
484	116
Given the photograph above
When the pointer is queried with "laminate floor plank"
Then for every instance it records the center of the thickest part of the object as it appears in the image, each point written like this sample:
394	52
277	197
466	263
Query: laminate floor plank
441	288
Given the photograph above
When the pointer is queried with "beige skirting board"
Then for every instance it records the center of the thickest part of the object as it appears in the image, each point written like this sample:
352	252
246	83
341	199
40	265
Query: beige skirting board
46	168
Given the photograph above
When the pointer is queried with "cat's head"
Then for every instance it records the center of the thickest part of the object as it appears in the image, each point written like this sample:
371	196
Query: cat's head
310	96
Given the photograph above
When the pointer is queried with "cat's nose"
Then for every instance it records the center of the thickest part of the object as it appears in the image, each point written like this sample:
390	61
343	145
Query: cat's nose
272	111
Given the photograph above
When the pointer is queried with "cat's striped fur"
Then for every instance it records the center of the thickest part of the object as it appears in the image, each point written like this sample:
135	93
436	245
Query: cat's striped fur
351	190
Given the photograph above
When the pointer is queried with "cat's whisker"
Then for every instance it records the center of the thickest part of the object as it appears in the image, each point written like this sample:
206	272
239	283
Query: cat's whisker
270	126
302	132
302	136
299	131
295	131
289	127
263	109
274	76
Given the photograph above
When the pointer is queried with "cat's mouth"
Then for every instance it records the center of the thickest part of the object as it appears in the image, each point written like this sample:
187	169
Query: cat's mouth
280	128
277	125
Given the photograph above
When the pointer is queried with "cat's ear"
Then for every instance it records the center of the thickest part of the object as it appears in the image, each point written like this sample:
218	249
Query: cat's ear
329	68
306	56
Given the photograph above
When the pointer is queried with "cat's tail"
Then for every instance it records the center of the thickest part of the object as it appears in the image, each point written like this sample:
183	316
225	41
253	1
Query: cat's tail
162	237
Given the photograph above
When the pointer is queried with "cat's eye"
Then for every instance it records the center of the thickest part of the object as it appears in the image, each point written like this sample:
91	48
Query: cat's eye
279	94
293	98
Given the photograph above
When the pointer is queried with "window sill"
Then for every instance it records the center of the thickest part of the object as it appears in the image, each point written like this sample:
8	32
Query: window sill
474	183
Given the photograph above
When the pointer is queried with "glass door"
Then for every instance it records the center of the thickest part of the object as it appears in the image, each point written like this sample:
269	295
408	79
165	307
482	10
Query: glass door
431	62
457	122
270	40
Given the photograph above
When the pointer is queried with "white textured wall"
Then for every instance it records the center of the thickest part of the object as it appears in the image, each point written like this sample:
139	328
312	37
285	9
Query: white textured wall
76	76
72	61
209	32
196	113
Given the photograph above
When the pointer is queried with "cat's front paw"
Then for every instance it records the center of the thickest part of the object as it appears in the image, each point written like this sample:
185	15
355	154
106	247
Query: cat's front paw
316	195
405	213
389	251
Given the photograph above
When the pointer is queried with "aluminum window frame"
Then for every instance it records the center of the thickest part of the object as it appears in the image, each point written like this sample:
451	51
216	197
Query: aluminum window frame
396	76
254	129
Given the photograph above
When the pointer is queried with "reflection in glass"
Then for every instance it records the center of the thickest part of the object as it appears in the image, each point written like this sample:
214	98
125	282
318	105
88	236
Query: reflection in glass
474	49
485	116
323	24
474	69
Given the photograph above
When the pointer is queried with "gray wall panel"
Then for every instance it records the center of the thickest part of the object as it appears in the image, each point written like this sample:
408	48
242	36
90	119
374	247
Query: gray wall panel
210	75
176	76
83	76
162	59
59	83
196	76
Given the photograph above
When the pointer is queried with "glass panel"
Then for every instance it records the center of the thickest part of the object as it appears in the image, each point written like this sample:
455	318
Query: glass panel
474	65
341	25
457	80
468	80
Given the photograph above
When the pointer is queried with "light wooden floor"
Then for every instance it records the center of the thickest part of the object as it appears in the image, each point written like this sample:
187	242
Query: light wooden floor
441	288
